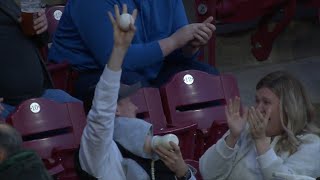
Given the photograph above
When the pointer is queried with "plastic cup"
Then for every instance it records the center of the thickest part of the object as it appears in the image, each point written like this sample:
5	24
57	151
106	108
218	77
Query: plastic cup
29	11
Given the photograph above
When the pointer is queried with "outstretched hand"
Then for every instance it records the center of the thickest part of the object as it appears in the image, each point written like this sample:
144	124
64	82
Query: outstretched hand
236	122
122	39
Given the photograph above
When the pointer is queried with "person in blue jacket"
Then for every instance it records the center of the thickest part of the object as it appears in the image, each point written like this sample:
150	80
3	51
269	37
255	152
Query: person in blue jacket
164	42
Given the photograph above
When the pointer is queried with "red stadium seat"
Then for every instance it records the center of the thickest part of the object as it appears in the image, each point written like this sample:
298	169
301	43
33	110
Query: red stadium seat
196	96
236	11
53	14
150	109
58	73
204	10
62	74
53	130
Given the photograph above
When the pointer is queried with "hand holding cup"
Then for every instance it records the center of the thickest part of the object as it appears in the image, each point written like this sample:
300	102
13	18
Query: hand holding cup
29	13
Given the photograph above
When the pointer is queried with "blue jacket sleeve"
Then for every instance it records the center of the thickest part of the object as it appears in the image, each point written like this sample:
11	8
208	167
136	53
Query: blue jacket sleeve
180	18
96	31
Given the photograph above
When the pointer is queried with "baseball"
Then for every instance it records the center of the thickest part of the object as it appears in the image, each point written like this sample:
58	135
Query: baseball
164	141
125	20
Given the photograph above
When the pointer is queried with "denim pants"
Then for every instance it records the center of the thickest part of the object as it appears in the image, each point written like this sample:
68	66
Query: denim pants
52	94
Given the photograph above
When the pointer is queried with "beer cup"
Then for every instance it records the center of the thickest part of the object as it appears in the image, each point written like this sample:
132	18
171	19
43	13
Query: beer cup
29	11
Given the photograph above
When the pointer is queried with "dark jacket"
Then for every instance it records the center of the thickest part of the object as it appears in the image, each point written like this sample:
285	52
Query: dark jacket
22	166
23	74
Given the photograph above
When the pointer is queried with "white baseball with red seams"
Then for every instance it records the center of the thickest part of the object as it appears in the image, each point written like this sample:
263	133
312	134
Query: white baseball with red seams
125	20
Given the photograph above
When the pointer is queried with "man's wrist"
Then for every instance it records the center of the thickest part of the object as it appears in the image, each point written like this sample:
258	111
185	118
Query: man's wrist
167	45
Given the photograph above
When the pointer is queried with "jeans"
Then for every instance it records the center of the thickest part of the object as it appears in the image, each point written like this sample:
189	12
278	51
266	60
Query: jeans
53	94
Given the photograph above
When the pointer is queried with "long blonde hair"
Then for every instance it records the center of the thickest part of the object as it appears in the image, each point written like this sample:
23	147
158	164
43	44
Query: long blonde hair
296	109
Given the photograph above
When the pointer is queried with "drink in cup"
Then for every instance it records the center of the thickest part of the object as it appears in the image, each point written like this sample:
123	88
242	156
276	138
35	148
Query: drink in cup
29	11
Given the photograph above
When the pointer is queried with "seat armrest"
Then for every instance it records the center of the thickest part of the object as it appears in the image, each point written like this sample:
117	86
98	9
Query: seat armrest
52	67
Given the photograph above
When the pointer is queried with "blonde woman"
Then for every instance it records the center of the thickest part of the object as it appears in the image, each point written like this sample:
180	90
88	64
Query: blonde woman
276	136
